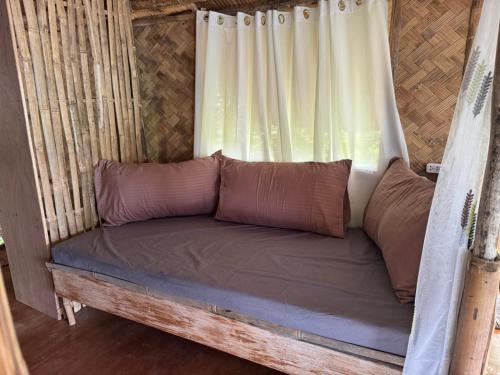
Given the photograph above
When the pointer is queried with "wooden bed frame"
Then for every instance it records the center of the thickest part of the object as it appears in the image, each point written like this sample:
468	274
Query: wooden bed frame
288	350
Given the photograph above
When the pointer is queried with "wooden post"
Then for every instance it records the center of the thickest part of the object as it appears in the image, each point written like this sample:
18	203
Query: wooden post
11	359
20	202
476	317
68	309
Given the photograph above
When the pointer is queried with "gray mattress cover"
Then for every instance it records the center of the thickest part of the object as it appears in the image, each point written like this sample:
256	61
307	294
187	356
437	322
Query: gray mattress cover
336	288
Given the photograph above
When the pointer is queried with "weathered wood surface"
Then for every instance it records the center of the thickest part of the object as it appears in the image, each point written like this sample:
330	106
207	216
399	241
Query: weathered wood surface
487	232
11	359
477	314
272	349
21	217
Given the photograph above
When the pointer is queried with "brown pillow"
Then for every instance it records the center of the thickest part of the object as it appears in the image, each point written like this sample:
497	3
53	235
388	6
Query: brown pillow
396	219
134	192
306	196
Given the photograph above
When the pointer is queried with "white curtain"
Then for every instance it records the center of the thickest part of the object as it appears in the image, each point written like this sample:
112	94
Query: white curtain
310	84
451	226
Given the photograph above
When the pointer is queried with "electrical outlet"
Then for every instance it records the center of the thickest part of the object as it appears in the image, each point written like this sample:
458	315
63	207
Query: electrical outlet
433	168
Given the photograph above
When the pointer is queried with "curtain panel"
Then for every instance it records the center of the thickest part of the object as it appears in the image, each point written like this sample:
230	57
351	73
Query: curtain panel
451	226
312	84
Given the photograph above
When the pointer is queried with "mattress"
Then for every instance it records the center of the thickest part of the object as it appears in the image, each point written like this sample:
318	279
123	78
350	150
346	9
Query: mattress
336	288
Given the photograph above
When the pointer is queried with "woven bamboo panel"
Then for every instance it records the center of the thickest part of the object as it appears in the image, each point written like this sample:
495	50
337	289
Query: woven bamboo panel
428	74
166	62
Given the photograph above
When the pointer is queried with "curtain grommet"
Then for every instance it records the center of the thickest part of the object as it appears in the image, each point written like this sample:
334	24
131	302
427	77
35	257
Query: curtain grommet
359	2
247	20
205	17
342	5
281	18
263	20
220	20
306	14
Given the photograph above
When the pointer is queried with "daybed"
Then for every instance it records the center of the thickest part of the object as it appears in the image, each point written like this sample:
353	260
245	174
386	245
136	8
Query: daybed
300	287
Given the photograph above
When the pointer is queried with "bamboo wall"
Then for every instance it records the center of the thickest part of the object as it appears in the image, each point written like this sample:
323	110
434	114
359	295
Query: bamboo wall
76	60
166	60
430	43
428	74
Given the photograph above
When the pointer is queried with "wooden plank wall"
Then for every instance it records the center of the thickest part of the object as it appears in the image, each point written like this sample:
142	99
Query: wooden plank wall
430	42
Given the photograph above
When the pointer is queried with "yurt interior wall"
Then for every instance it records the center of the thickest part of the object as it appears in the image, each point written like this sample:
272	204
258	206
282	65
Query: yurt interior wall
149	88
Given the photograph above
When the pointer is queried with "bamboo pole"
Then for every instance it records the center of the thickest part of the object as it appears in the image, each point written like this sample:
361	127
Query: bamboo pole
72	106
84	60
163	11
114	76
476	317
83	116
127	153
34	111
91	18
135	81
43	100
55	112
65	116
126	70
11	358
108	88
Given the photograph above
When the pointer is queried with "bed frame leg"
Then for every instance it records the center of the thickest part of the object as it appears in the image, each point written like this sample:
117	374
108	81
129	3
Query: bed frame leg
68	308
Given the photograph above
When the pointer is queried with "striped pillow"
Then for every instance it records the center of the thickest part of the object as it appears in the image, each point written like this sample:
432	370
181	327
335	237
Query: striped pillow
127	192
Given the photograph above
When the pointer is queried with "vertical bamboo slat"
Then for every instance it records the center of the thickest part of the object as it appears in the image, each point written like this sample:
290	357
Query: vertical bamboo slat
83	115
43	101
77	116
65	117
73	109
115	79
126	70
91	18
34	111
108	89
84	60
57	127
121	80
135	80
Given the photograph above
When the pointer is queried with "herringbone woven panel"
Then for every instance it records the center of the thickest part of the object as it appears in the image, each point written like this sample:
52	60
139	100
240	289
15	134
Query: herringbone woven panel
429	72
166	62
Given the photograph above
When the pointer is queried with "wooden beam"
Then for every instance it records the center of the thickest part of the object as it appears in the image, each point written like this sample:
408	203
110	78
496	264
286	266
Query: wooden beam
20	203
273	347
156	12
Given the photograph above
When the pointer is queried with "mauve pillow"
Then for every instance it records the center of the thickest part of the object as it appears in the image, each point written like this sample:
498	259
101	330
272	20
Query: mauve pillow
128	192
307	196
396	219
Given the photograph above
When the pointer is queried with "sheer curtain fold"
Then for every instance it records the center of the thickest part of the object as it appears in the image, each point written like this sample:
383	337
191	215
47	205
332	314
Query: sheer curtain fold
451	225
311	84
